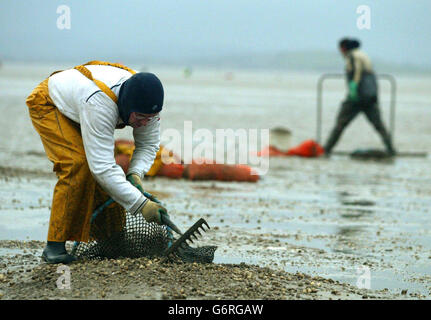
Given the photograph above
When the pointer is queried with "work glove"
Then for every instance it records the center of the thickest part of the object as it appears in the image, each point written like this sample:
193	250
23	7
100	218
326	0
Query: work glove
153	208
136	181
353	91
153	211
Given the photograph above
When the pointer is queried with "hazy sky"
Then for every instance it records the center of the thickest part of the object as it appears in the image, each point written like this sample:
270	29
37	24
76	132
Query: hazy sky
176	29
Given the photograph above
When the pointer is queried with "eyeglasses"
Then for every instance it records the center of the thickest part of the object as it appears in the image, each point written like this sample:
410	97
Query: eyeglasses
141	116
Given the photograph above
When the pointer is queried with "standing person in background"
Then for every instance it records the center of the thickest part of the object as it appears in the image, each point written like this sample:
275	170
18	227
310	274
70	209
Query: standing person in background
362	95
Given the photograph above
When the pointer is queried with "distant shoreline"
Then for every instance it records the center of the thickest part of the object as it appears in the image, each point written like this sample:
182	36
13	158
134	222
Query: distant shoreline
294	61
58	65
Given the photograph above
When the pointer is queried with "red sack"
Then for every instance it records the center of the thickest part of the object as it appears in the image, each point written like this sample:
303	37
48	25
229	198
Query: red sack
308	148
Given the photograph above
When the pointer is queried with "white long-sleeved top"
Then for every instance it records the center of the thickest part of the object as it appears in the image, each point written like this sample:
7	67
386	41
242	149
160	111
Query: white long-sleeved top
81	100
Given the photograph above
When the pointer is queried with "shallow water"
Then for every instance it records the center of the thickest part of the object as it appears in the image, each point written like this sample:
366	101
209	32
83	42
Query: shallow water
325	217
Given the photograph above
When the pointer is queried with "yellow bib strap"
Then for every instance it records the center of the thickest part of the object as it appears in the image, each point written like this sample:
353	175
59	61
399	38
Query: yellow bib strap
55	72
102	86
103	63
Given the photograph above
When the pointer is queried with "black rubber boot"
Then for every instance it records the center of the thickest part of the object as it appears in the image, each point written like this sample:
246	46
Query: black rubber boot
388	144
55	252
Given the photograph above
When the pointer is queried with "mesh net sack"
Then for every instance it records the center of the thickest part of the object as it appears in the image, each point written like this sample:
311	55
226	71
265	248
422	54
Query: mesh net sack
202	254
117	234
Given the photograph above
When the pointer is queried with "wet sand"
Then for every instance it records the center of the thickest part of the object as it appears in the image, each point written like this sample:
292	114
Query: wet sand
143	278
314	224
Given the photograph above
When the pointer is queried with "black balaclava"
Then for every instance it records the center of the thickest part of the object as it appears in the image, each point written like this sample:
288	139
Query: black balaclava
143	93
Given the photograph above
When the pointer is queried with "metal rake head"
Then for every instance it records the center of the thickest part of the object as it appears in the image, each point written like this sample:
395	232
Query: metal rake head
181	242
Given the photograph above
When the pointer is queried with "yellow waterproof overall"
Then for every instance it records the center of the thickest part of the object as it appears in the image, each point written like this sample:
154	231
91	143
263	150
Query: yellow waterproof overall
76	194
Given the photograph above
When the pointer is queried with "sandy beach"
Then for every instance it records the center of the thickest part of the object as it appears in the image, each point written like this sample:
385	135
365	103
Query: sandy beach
308	229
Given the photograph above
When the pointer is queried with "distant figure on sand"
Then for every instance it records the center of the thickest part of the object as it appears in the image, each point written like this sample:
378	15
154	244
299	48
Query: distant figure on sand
362	95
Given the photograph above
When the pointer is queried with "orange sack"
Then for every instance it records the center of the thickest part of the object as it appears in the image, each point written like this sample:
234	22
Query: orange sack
123	152
123	160
271	151
173	171
308	148
199	170
122	146
220	172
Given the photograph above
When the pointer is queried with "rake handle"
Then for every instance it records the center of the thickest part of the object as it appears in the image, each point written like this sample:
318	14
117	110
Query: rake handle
166	221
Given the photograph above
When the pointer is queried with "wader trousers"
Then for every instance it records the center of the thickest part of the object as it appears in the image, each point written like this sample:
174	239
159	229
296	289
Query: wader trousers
76	194
348	111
